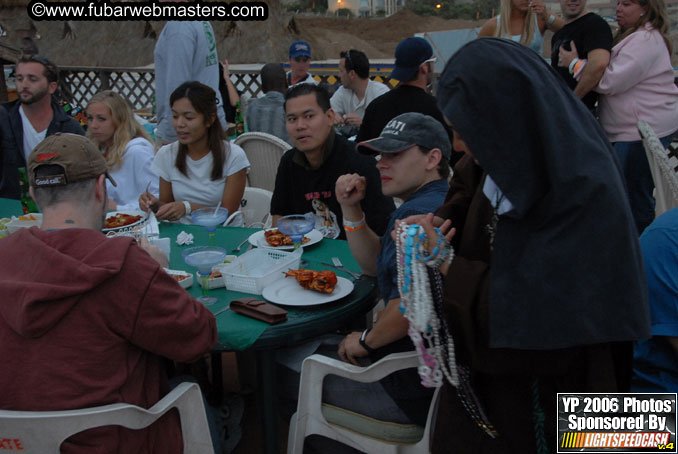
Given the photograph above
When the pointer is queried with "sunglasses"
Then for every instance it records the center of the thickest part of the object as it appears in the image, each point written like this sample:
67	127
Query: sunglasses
430	60
302	59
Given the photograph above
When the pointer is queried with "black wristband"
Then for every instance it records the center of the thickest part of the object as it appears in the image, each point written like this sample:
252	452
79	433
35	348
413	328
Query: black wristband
362	342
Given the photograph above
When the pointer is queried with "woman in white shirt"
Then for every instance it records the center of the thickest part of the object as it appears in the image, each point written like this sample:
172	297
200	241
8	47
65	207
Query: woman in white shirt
127	148
200	169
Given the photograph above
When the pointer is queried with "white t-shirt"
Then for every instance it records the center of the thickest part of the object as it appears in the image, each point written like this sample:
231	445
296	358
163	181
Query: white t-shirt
345	101
197	187
134	175
31	137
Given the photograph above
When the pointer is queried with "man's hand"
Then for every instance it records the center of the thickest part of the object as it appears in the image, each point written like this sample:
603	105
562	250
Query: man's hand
350	349
350	189
172	211
353	120
155	252
565	56
225	67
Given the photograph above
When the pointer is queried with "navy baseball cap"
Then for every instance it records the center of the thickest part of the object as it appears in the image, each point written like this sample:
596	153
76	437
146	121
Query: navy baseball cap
300	49
409	55
407	130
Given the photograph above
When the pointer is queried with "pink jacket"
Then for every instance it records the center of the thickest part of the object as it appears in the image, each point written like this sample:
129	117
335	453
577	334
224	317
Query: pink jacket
638	85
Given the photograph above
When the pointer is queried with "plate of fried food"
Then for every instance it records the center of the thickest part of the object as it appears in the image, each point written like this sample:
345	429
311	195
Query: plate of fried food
307	288
121	221
274	239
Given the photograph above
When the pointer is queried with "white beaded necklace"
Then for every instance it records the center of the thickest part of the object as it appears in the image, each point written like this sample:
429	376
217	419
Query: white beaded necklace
417	305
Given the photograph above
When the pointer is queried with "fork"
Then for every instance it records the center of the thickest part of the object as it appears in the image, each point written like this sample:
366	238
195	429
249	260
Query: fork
337	264
240	245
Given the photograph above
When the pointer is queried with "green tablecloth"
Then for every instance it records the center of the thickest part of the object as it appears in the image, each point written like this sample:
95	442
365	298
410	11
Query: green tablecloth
237	332
9	208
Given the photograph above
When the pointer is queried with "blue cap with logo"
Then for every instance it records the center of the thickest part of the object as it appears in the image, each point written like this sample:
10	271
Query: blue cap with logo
409	55
407	130
300	49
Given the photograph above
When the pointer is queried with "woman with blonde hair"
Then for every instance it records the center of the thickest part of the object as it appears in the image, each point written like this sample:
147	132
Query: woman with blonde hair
637	85
127	148
524	22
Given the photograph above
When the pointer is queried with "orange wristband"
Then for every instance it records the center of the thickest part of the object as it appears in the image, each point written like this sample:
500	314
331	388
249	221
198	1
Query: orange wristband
353	229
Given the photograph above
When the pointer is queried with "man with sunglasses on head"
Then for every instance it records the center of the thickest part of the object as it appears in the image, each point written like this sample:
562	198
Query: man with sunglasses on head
414	61
357	91
26	121
300	61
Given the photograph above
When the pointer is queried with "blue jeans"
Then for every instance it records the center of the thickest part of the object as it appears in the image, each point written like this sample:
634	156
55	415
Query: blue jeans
639	183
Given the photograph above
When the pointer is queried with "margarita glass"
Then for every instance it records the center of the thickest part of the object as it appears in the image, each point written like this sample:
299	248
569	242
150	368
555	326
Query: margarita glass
296	226
210	218
204	258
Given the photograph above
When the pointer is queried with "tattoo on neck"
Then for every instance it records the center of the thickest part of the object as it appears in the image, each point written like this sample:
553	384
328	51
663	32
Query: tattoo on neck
69	221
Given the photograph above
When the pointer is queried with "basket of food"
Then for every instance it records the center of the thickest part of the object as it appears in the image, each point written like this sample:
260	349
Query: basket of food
255	269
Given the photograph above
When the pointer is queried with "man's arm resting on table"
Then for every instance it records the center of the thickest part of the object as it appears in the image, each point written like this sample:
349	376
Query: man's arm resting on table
390	327
598	59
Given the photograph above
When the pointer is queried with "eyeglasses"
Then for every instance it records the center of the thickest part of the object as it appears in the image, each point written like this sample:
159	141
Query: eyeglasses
348	66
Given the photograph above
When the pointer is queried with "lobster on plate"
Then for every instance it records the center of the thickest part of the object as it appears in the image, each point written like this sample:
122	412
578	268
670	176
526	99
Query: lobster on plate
275	238
320	281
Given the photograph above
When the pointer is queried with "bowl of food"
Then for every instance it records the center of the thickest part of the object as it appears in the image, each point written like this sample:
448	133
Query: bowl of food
182	277
23	222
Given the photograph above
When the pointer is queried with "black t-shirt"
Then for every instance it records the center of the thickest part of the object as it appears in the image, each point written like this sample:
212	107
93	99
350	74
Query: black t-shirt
589	32
300	190
400	100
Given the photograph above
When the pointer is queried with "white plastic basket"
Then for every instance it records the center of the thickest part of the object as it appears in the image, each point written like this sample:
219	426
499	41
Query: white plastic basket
255	269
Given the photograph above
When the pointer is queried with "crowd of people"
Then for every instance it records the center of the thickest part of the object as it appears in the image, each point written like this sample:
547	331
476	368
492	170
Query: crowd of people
528	181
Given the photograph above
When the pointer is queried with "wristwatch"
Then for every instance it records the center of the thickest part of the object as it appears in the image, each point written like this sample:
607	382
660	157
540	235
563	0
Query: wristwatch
362	342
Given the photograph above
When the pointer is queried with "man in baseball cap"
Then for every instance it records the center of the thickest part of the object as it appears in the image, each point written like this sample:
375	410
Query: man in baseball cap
410	54
72	158
413	154
414	69
300	61
93	318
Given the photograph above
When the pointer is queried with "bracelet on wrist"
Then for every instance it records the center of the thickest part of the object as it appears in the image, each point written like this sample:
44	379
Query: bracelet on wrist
362	342
353	229
550	20
187	205
572	63
353	224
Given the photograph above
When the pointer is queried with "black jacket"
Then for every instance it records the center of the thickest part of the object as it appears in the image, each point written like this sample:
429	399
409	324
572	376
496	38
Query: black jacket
12	143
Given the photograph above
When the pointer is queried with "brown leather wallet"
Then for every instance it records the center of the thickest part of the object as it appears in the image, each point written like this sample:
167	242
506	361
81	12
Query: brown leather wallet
258	309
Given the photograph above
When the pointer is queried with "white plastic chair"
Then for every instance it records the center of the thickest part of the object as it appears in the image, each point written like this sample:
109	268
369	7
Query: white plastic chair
256	206
314	417
254	210
663	166
42	432
264	152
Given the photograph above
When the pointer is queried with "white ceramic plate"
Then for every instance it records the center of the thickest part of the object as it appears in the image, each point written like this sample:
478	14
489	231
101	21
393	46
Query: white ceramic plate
258	239
143	214
288	292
